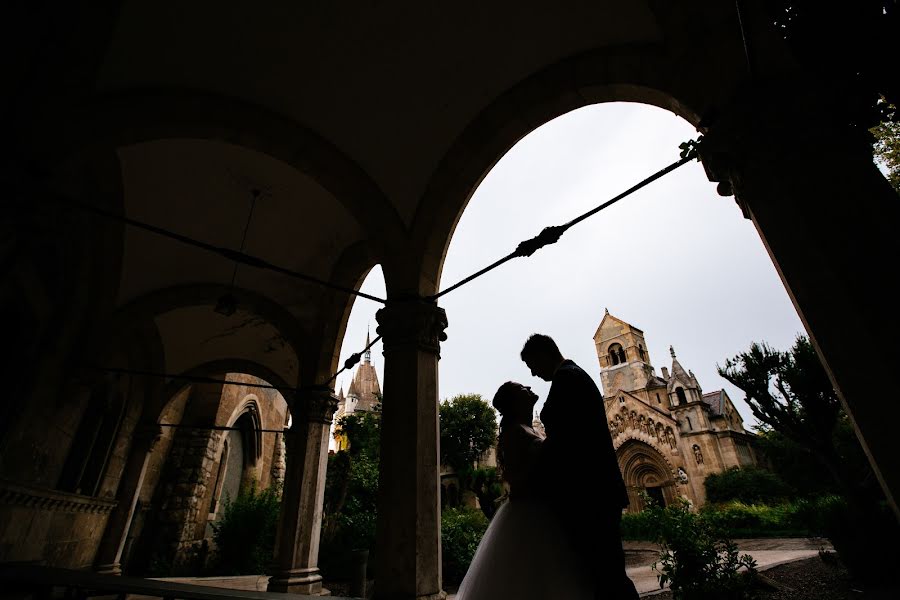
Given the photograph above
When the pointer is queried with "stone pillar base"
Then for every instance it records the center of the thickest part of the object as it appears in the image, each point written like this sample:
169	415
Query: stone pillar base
109	569
297	581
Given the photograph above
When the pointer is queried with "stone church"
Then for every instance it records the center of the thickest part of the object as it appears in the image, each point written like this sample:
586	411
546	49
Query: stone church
668	435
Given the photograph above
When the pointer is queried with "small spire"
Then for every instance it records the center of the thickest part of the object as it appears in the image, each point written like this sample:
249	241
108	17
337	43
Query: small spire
607	310
368	354
672	351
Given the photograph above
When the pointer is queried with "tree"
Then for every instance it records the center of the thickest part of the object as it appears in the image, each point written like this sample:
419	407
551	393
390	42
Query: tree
791	393
887	146
351	491
468	430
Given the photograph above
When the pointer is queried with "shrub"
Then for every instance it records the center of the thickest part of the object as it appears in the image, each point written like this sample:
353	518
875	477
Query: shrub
696	560
245	533
461	531
351	490
750	485
638	526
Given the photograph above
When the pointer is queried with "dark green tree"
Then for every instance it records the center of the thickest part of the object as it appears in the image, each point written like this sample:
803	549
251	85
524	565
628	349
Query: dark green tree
791	393
468	430
887	146
351	492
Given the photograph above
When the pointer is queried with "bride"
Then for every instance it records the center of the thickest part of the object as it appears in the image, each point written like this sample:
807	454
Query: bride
524	554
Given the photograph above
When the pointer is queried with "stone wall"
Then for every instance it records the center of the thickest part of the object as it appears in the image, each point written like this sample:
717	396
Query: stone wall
52	527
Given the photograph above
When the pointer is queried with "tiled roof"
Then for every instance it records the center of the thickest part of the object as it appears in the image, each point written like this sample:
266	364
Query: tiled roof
715	401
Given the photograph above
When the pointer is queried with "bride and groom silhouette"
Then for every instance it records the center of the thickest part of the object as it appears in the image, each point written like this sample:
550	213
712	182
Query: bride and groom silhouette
554	538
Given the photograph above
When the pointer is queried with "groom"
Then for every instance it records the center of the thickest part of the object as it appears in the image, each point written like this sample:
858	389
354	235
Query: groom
579	449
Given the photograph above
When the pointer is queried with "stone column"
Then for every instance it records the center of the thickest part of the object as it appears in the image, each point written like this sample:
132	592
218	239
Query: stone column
408	563
828	219
109	554
300	522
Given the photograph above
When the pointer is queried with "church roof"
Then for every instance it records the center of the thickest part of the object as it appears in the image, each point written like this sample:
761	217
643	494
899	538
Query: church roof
365	387
628	326
716	401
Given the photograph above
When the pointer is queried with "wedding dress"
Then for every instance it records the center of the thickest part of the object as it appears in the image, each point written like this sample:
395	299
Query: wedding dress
524	554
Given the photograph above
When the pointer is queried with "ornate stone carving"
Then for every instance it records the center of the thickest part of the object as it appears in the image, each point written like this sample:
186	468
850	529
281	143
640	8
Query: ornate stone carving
698	455
318	405
413	322
52	500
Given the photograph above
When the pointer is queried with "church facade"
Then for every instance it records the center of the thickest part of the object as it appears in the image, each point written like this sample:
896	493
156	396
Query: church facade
668	434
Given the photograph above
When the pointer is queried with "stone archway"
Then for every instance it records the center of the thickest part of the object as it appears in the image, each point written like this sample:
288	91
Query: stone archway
645	471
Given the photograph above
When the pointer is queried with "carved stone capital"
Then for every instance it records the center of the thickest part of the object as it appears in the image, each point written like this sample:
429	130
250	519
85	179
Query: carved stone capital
412	323
776	129
317	406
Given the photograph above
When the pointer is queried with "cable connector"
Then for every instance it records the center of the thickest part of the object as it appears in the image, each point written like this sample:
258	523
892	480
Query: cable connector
691	149
549	235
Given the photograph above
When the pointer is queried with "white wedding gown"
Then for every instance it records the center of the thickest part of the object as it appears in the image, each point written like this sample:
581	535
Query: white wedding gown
524	554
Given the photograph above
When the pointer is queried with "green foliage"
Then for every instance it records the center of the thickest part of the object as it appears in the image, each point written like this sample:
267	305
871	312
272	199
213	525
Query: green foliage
887	146
468	430
799	518
696	560
364	432
351	494
245	533
750	485
461	531
791	393
488	486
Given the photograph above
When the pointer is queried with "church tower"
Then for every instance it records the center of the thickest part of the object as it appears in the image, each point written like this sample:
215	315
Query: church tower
365	390
624	360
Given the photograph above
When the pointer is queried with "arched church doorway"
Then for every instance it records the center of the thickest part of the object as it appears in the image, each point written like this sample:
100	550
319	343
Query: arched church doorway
647	475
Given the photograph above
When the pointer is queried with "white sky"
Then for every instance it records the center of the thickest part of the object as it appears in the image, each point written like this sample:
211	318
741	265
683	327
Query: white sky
675	259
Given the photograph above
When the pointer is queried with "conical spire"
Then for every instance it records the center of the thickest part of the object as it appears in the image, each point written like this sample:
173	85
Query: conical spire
368	354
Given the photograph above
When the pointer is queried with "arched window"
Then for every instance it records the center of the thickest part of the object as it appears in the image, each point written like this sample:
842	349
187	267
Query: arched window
94	440
616	354
682	398
641	352
690	426
658	400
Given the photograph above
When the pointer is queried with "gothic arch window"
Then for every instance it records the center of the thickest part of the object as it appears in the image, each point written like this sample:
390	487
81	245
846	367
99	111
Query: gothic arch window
616	354
690	426
682	398
94	440
658	400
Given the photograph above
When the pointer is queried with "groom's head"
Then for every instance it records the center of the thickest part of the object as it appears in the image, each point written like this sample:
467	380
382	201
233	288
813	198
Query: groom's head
542	356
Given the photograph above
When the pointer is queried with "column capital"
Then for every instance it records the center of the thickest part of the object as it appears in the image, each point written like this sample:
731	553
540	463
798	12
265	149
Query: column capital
776	127
412	322
317	405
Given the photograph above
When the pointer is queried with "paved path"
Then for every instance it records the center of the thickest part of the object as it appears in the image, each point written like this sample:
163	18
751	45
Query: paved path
768	553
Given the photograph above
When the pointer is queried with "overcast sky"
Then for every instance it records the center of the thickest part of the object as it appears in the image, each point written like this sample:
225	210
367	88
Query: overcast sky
675	259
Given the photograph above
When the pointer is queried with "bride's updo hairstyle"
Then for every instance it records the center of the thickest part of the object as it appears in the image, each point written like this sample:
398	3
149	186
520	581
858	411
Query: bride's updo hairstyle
505	396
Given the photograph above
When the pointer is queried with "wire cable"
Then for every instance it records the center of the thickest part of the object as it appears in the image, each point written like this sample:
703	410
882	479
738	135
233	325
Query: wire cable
232	255
551	235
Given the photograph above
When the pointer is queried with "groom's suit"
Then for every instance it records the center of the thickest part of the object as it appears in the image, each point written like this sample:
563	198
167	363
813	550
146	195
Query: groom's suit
576	456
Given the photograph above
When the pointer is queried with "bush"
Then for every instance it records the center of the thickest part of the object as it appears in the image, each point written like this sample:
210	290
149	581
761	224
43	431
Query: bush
245	533
351	490
750	485
696	560
461	531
